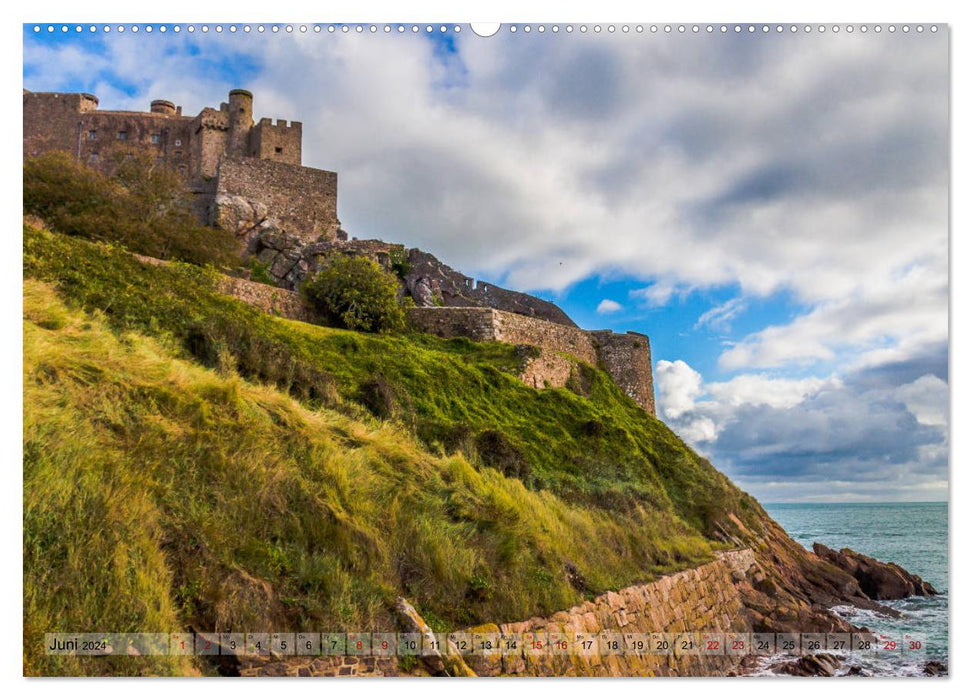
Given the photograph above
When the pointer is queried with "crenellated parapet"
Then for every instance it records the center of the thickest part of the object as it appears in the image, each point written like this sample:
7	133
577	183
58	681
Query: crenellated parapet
194	146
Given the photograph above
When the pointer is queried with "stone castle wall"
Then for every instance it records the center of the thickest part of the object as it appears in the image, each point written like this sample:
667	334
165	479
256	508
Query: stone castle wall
219	153
267	298
626	357
522	330
432	282
52	121
303	201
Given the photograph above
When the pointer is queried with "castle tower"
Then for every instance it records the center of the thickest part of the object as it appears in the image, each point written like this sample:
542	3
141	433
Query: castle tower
240	122
163	107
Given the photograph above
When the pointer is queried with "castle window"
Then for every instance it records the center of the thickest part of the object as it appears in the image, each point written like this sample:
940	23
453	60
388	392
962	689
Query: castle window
178	154
93	158
279	149
178	142
122	135
92	135
156	138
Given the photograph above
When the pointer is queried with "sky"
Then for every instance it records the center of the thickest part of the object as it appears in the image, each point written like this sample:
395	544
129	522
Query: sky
770	208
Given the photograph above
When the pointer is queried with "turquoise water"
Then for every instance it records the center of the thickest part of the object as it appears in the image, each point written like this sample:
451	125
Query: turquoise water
913	535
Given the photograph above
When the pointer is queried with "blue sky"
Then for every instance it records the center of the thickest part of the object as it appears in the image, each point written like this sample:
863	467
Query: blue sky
771	209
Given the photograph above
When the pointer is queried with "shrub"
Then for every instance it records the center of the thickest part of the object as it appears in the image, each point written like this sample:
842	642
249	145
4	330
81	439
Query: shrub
356	293
144	207
379	397
497	451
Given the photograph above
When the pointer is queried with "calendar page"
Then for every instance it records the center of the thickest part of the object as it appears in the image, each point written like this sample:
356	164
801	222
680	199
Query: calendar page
532	349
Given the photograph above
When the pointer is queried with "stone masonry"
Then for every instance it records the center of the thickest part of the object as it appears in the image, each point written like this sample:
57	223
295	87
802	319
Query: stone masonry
219	152
626	357
702	599
246	177
696	600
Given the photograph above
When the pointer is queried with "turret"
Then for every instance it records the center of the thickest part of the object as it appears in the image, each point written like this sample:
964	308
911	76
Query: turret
240	121
163	107
88	103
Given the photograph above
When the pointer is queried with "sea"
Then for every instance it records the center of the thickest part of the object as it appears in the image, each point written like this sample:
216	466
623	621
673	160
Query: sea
913	535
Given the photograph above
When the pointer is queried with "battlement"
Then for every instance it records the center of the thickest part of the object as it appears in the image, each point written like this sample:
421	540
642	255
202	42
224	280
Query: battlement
304	198
279	142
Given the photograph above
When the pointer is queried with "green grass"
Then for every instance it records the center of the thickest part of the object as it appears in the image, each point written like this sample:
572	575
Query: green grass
193	463
599	450
163	495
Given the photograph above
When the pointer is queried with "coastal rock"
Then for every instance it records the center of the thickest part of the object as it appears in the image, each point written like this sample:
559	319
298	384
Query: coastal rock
935	668
877	580
813	665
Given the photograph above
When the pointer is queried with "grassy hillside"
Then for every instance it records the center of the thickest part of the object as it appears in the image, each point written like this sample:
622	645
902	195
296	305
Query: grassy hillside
190	462
592	446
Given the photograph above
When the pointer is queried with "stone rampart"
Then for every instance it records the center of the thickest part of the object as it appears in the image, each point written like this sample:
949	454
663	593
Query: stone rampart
686	603
702	599
626	357
303	201
432	282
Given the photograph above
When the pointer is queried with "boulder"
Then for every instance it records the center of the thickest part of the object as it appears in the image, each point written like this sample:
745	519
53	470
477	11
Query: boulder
449	664
813	665
878	580
238	214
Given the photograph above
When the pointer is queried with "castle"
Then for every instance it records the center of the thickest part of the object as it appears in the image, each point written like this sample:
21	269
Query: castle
221	153
247	177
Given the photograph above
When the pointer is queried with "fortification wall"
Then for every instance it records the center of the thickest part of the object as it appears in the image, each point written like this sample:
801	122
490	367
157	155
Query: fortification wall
72	123
455	322
279	142
272	300
701	599
431	281
627	358
106	136
522	330
303	200
52	121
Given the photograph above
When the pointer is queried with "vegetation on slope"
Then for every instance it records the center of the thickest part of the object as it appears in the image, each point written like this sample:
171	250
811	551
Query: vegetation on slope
144	207
592	446
161	495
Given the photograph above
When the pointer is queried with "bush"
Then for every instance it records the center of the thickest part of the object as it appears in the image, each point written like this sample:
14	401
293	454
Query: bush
356	293
497	451
379	397
144	207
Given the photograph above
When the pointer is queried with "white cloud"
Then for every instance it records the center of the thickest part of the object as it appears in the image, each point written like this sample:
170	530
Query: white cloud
798	439
887	319
761	390
815	169
608	306
678	385
926	398
720	317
